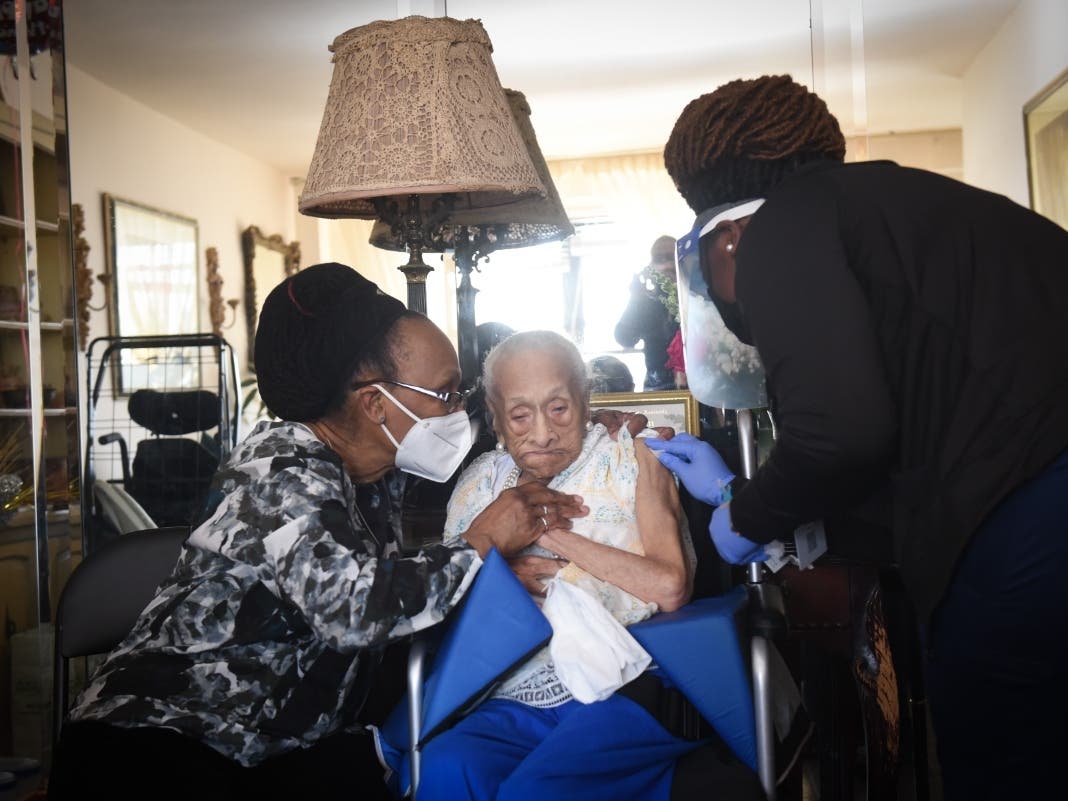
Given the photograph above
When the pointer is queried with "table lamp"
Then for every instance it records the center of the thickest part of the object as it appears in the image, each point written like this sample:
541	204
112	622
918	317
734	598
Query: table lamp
416	129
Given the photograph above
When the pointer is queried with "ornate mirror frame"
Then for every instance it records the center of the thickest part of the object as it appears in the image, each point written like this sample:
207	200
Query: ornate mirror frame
258	282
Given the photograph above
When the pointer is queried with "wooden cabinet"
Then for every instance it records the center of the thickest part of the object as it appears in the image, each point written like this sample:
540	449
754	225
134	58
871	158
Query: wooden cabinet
40	536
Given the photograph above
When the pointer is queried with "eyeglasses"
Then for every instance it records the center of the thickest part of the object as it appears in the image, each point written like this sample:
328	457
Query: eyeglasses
453	400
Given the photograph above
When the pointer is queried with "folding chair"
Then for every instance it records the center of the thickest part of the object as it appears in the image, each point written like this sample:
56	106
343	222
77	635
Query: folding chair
103	598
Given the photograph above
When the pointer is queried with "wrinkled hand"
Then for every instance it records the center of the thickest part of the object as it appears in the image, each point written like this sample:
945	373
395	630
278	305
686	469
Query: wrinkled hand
518	516
534	572
697	464
732	546
613	420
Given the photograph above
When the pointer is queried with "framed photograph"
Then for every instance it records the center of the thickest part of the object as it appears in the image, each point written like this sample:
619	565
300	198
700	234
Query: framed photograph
675	408
1046	127
152	272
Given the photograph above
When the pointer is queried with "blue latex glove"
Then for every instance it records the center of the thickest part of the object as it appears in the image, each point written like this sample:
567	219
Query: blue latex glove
732	546
697	464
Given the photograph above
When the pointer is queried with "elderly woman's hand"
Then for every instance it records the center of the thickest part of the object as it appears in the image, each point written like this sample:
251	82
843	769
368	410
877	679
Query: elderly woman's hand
636	423
520	515
534	572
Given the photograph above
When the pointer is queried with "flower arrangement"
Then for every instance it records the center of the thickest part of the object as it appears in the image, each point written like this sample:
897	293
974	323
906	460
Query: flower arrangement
664	288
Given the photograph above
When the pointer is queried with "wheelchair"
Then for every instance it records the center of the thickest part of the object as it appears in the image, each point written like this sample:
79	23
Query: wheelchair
760	663
708	651
718	652
171	402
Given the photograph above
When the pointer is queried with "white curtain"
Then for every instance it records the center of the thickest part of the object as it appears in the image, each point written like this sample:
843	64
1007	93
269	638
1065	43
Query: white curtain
633	190
156	266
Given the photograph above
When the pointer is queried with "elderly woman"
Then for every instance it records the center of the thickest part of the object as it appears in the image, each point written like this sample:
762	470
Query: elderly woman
246	674
533	739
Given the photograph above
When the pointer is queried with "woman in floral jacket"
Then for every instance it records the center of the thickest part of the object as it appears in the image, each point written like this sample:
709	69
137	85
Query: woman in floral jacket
246	674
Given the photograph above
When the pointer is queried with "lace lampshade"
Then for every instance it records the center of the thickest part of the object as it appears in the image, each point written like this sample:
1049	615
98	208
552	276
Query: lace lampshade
416	108
544	216
530	221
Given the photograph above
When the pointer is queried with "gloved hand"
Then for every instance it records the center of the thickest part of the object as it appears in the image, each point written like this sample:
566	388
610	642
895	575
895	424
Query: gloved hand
697	464
732	546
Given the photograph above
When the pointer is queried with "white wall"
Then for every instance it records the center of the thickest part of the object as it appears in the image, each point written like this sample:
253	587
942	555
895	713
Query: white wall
127	149
937	151
1029	51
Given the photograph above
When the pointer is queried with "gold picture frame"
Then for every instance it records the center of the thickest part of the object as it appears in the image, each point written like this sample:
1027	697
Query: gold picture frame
1046	130
268	261
675	408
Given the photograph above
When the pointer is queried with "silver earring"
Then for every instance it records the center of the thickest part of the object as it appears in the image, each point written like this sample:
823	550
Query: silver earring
499	446
589	425
730	246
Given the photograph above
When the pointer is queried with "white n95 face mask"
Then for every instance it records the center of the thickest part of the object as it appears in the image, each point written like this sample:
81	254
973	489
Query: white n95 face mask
435	446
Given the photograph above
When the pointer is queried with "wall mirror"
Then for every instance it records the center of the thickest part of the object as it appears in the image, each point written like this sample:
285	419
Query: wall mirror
268	260
1046	123
152	270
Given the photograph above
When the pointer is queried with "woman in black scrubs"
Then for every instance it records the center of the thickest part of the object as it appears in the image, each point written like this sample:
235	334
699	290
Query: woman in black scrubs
914	333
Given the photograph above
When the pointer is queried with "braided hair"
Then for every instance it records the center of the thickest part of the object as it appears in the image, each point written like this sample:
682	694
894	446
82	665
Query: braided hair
745	137
317	329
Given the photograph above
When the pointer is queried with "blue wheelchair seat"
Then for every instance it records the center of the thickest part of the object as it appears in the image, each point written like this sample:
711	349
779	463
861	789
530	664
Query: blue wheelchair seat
698	649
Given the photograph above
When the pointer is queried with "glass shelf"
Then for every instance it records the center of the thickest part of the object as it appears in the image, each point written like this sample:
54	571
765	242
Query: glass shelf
16	325
42	225
49	412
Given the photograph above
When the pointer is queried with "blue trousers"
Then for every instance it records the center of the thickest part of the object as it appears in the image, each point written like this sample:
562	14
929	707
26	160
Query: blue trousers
997	651
504	750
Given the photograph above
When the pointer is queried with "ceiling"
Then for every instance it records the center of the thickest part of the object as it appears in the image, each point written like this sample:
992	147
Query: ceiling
602	76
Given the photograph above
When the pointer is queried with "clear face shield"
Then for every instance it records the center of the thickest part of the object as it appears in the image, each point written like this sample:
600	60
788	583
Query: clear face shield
721	370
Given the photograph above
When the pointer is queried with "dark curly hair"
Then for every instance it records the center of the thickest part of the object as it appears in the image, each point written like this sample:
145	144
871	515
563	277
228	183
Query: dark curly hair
742	139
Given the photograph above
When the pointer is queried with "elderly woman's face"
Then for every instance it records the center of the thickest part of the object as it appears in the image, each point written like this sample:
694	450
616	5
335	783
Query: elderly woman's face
538	412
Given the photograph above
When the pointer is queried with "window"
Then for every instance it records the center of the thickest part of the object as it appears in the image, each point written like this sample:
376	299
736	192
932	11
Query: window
578	288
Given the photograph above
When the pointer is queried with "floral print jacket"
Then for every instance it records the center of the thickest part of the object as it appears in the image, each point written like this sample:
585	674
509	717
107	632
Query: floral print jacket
266	636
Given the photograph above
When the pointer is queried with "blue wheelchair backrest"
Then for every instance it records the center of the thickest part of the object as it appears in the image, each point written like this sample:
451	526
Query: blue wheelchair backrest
498	627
